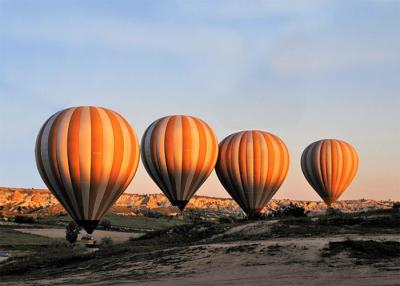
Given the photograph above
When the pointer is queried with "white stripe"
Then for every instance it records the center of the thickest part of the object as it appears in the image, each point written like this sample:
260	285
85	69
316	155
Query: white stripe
148	158
62	159
135	151
107	156
85	149
119	182
160	156
194	154
177	156
237	182
44	153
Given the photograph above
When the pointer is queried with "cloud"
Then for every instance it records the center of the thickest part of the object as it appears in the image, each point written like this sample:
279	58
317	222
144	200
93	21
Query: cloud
123	35
242	9
299	56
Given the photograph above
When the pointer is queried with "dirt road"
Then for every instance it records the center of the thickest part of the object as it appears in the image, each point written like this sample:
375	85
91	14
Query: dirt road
97	235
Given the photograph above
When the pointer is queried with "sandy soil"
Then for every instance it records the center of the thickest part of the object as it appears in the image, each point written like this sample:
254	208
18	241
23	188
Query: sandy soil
266	262
97	235
2	259
280	262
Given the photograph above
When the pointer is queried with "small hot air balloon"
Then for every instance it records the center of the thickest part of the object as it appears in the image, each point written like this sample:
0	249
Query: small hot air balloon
87	156
251	166
329	166
179	152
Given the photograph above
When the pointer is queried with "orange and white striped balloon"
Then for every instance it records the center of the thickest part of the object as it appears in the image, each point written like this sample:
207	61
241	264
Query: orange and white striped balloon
329	166
251	166
179	152
87	156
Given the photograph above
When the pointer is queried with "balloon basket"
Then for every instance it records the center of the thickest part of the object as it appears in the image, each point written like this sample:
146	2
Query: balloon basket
89	241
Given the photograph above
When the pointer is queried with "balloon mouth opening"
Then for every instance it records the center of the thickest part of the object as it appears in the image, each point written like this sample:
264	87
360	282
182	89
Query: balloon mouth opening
329	203
180	204
254	213
88	225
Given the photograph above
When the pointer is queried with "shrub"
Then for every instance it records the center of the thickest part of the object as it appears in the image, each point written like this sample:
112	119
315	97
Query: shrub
292	209
333	212
106	224
72	232
364	249
226	219
24	219
107	241
192	216
152	214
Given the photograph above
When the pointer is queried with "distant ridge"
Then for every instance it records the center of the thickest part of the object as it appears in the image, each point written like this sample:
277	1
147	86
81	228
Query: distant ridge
15	201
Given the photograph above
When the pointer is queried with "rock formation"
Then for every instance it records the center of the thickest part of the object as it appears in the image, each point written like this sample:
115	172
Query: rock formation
19	201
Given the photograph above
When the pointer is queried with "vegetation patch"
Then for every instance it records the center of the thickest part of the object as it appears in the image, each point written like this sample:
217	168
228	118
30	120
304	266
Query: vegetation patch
12	238
364	249
291	210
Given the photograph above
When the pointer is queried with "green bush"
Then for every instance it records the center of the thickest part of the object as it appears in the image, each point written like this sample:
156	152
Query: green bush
71	232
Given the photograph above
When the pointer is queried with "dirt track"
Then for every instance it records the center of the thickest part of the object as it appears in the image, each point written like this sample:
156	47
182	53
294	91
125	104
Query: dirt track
97	235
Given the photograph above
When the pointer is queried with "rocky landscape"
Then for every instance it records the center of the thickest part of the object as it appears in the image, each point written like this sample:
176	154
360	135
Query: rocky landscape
40	202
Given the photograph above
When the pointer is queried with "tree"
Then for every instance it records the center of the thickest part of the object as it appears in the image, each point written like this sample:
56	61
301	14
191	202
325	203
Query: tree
72	232
106	224
292	209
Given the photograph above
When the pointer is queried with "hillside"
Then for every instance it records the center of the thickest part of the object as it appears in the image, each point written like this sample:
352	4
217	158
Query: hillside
41	202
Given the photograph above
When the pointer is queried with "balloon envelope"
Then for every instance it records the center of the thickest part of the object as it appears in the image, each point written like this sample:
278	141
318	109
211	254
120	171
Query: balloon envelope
329	166
87	156
179	152
251	166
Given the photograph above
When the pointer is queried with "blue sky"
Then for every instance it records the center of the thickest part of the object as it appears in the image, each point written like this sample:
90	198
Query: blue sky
303	70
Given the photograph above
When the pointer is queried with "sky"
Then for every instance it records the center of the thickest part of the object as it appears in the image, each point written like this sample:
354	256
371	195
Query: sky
303	70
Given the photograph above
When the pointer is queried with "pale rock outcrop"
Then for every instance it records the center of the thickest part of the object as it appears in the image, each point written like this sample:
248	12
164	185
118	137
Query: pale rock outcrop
19	200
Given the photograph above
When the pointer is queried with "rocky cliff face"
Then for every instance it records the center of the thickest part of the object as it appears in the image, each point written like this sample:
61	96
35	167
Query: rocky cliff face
23	201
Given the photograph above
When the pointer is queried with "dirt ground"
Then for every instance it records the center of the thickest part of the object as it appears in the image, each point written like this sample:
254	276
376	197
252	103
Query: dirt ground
266	252
97	235
272	262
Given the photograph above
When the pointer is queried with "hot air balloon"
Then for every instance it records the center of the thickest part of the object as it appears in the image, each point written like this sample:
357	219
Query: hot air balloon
87	156
251	166
179	152
329	166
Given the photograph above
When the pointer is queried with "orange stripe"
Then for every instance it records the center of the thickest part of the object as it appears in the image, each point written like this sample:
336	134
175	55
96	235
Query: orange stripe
97	156
169	153
73	155
187	150
257	161
135	155
118	152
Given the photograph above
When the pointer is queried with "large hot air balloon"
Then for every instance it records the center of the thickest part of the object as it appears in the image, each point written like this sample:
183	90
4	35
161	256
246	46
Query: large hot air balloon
329	166
251	166
179	152
87	156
